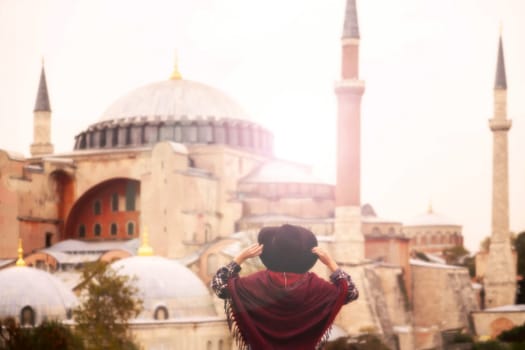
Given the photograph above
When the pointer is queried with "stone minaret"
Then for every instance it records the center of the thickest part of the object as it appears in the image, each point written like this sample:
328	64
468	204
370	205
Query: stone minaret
42	120
500	276
349	245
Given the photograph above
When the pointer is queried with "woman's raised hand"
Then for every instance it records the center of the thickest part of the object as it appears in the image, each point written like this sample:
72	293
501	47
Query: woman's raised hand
247	253
325	258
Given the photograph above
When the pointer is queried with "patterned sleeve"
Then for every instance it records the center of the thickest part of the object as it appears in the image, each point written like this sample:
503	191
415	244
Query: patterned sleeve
219	282
353	293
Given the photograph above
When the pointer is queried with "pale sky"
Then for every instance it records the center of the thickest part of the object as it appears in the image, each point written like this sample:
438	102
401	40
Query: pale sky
429	70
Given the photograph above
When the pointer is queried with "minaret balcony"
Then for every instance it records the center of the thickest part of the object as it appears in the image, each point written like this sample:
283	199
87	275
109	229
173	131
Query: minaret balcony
500	125
350	85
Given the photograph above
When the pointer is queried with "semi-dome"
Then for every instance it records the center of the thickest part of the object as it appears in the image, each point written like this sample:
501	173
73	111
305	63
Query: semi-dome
168	289
33	295
176	110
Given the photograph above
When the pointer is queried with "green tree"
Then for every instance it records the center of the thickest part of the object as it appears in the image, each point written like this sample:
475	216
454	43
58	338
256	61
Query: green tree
48	335
361	342
108	302
455	255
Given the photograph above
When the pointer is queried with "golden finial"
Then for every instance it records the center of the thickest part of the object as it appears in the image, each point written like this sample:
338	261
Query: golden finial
20	261
176	74
145	249
430	210
42	60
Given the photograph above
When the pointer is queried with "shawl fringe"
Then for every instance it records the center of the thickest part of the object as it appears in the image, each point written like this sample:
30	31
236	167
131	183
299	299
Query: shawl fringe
241	342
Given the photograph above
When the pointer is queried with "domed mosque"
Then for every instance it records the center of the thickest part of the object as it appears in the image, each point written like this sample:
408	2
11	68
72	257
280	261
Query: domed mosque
185	160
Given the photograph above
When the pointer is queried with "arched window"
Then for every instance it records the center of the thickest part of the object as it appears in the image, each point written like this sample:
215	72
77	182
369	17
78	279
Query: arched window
220	134
131	228
113	229
166	132
97	207
221	344
97	229
192	133
114	202
131	193
177	133
376	230
391	231
209	345
161	313
27	316
82	231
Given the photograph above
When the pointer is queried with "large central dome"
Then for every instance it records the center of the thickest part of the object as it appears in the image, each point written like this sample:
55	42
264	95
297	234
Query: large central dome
174	99
176	110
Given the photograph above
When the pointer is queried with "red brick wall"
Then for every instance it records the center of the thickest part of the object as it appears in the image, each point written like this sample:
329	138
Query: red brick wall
83	212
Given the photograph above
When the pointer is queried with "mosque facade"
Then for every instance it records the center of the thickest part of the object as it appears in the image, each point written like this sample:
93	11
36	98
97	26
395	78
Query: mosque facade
185	161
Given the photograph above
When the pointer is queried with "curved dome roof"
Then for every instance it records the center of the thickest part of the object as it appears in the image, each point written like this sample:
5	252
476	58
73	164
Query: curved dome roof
174	99
166	283
430	218
43	292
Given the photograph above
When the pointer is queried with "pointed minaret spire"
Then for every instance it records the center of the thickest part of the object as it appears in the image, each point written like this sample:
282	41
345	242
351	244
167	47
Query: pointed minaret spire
42	97
500	274
351	25
42	119
501	78
349	91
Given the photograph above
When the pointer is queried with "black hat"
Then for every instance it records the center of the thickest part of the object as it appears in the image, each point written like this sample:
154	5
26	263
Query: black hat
287	248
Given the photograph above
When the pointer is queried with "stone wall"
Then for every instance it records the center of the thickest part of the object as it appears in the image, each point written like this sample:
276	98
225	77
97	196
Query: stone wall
442	300
492	322
211	334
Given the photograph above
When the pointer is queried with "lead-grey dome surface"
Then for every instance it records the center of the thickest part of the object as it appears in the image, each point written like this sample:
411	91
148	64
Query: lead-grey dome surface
175	99
166	283
43	292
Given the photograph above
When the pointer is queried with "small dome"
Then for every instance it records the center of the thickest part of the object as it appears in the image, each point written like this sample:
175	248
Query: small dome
168	286
431	218
43	293
176	99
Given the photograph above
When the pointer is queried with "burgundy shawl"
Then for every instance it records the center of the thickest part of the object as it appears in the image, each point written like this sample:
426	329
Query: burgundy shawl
276	310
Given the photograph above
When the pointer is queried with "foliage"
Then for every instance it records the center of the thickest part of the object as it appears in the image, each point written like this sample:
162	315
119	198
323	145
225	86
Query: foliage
108	303
49	335
490	345
362	342
485	243
513	335
454	255
520	251
462	338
